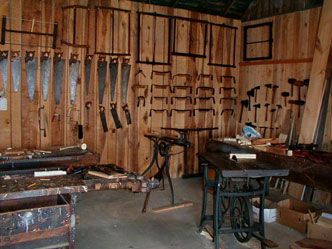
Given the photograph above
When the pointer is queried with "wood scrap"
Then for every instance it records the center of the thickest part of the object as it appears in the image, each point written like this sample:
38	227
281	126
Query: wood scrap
173	207
311	244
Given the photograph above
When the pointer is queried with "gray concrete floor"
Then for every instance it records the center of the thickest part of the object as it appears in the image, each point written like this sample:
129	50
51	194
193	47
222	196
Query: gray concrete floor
113	219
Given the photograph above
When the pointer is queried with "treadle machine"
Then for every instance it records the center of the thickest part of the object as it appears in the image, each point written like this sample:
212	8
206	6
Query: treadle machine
161	146
234	183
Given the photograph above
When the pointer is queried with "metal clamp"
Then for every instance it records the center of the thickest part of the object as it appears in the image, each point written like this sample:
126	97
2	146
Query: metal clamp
159	98
204	76
204	110
186	98
161	73
181	110
160	87
204	99
223	88
205	88
158	111
139	98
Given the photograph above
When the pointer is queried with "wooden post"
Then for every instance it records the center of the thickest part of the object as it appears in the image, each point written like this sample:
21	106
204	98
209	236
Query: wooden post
317	75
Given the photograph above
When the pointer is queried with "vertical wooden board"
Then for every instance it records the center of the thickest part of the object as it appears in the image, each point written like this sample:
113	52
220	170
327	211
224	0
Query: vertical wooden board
30	130
15	100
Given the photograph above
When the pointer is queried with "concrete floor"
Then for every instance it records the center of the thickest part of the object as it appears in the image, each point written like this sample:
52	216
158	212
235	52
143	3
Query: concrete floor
113	219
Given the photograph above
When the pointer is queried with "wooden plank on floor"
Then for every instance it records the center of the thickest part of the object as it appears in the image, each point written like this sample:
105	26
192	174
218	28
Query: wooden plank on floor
173	207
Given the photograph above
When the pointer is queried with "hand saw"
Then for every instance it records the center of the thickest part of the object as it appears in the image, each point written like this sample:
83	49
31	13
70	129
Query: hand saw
31	71
125	73
16	70
59	67
102	66
45	72
114	75
87	72
3	67
74	70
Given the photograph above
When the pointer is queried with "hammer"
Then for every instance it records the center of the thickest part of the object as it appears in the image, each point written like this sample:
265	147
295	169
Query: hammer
274	89
279	107
272	117
292	81
285	95
256	88
266	108
250	93
244	103
269	85
256	106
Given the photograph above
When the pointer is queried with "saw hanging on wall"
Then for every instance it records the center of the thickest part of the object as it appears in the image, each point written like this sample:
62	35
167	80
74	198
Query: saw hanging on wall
125	73
59	67
87	72
45	72
31	72
114	75
74	71
102	67
16	70
3	68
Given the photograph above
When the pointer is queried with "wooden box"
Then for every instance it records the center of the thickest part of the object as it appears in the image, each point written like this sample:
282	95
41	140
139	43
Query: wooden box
35	222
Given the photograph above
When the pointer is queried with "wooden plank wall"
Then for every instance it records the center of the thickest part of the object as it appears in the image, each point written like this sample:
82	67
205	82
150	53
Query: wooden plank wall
125	147
294	37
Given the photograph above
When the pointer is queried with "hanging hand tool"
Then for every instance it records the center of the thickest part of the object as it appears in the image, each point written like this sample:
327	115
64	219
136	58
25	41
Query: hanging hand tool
88	105
285	95
244	103
102	67
16	70
256	106
272	126
87	72
59	67
45	72
264	130
292	82
266	108
250	93
114	65
31	70
42	120
277	114
256	88
125	73
269	85
74	71
103	118
299	103
3	68
274	89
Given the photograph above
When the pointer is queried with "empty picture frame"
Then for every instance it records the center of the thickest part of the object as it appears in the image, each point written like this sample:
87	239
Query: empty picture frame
189	37
222	45
114	40
75	23
153	38
258	41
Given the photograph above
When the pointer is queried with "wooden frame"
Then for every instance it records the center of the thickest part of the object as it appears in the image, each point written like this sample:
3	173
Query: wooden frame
72	42
174	38
112	49
269	41
232	61
154	61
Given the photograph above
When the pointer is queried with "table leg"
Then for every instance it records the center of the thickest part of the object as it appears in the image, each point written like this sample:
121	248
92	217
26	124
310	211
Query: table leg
216	207
72	231
205	197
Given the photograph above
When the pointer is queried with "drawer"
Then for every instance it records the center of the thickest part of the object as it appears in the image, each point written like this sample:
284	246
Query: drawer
33	218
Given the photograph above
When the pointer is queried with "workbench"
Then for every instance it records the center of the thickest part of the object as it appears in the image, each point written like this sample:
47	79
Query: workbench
234	183
41	212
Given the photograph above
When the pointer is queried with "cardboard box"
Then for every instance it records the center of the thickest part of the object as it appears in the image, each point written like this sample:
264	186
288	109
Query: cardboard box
295	214
270	210
322	229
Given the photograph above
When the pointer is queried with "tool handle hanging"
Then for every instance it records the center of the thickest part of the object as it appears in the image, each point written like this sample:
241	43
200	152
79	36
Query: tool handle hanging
127	113
115	116
103	118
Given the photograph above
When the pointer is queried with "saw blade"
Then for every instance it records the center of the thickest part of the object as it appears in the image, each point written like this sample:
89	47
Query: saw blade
16	73
59	66
3	67
74	71
45	72
102	65
87	71
31	70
